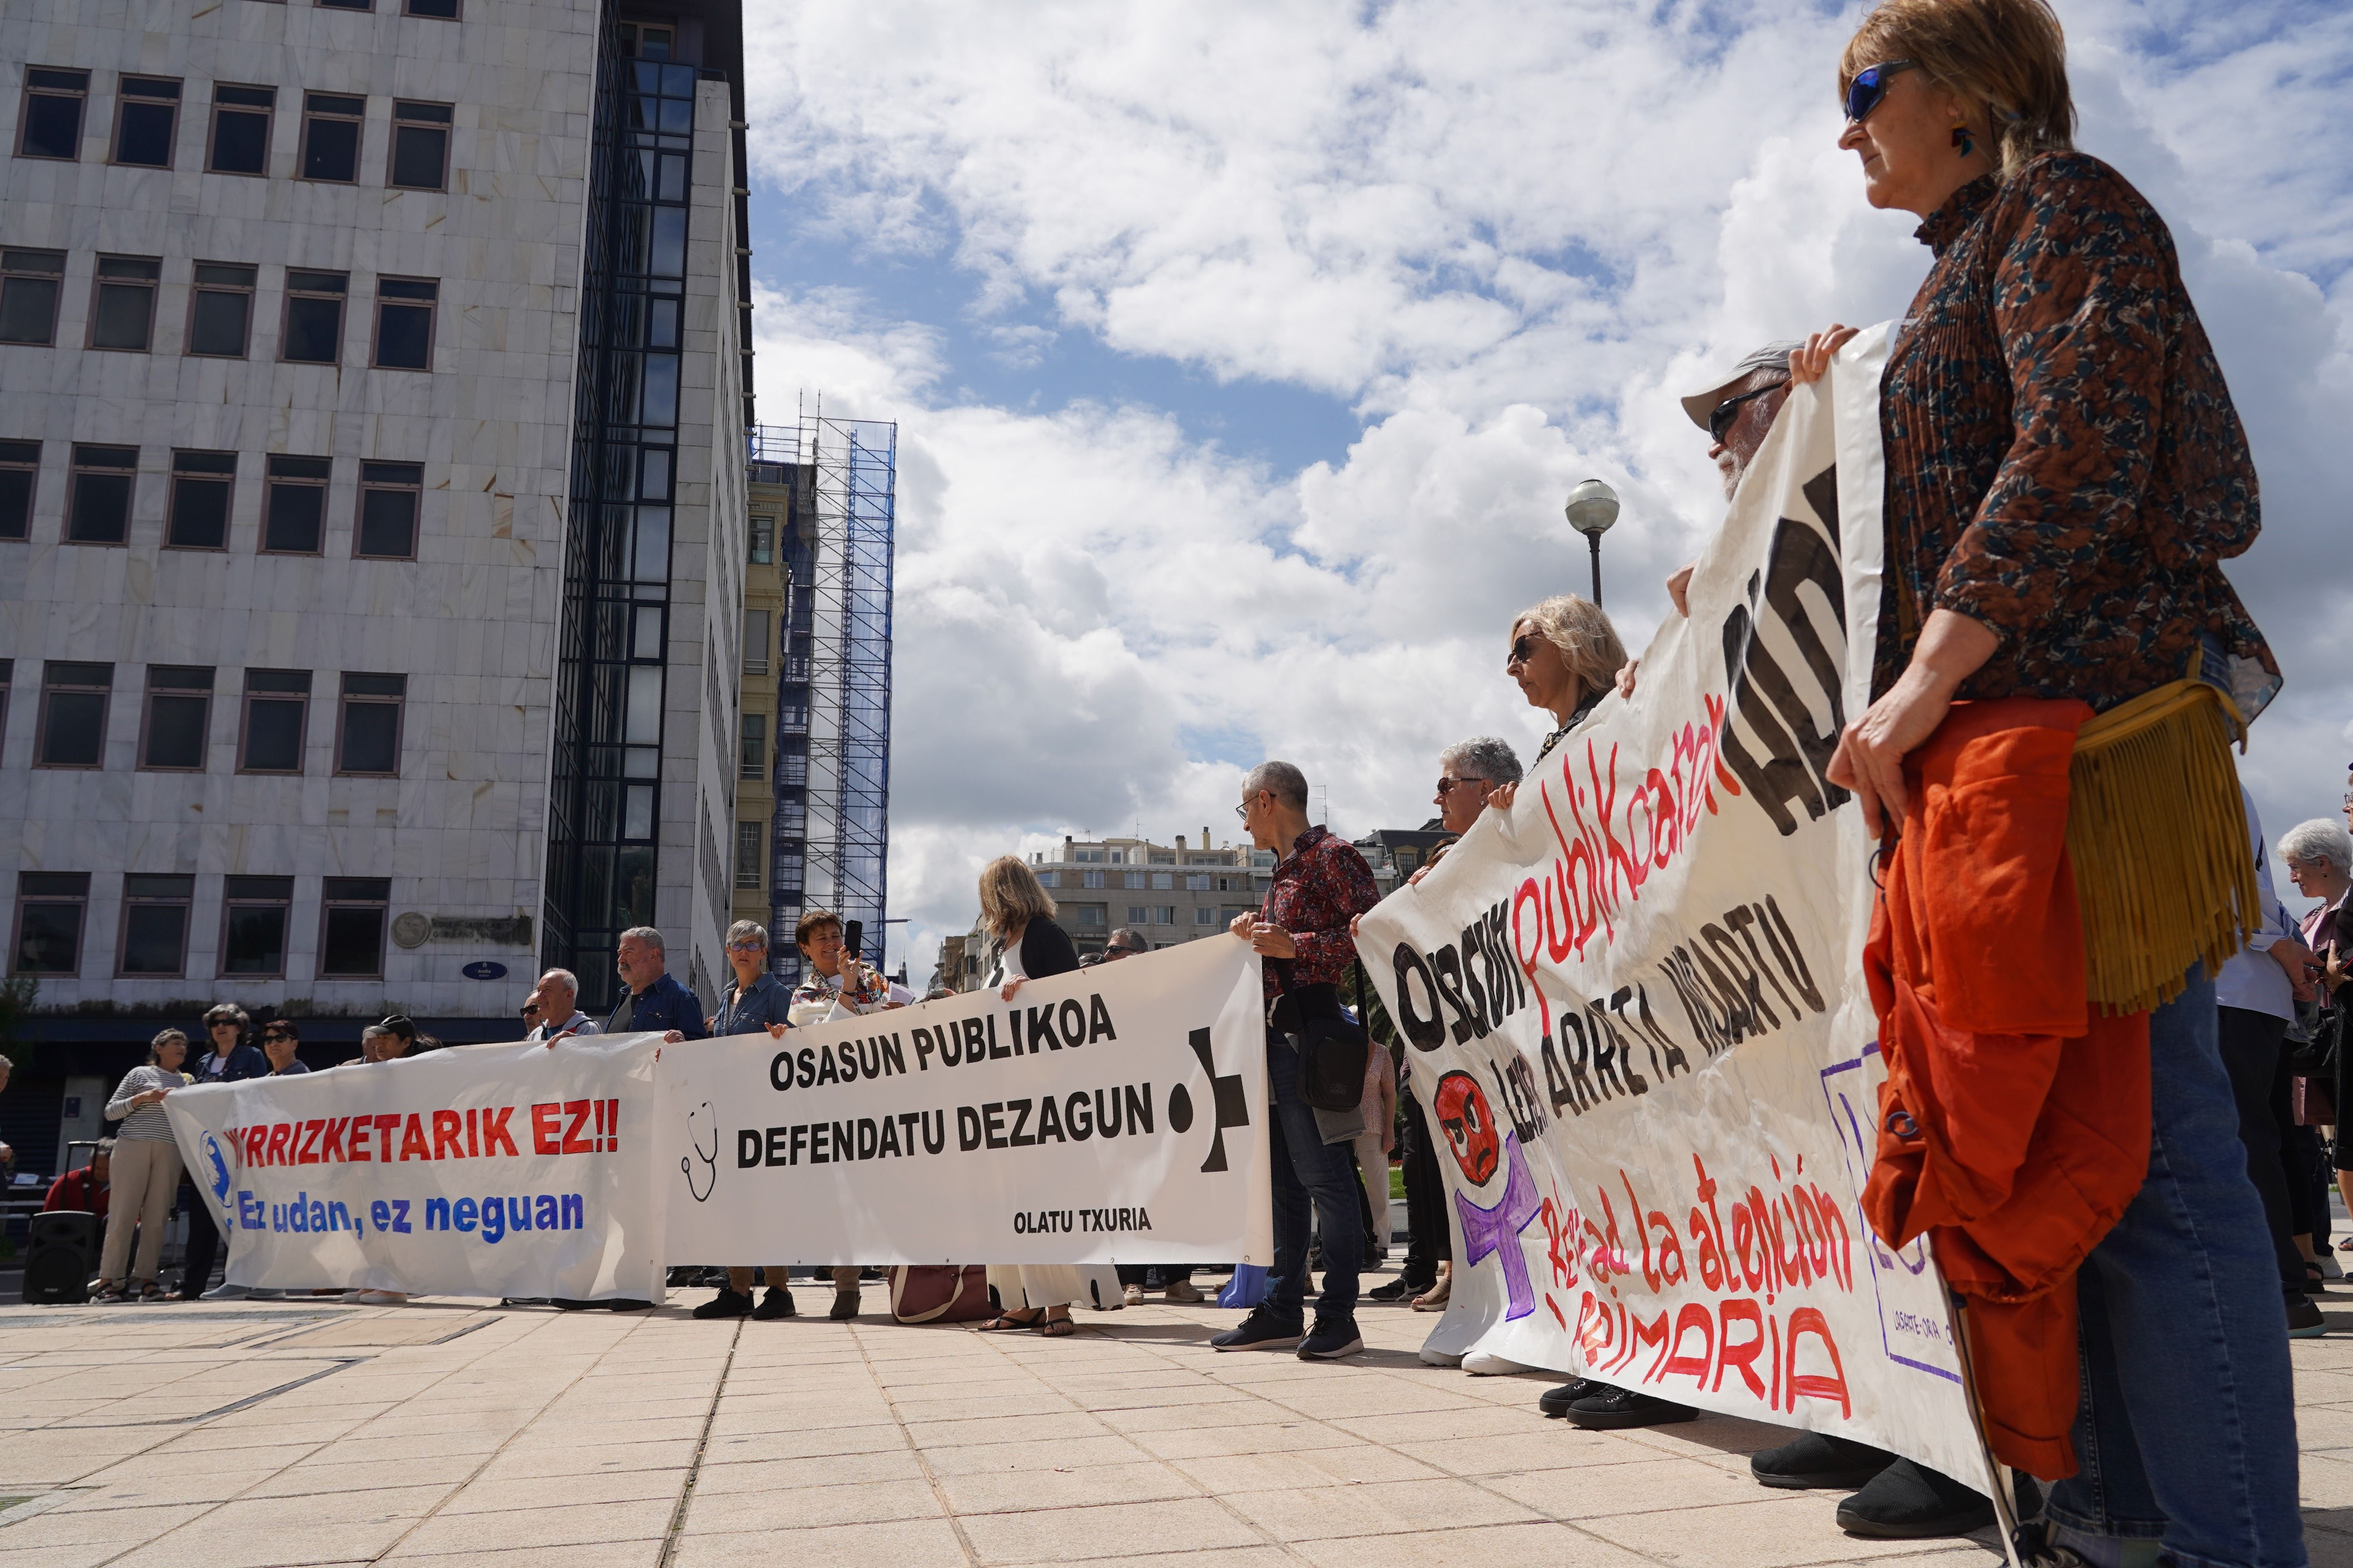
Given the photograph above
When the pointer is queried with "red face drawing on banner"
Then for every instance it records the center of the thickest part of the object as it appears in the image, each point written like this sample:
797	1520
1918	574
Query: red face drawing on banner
1470	1126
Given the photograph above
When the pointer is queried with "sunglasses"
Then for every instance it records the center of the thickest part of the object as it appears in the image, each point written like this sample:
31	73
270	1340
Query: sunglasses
1869	86
1721	418
278	1033
1448	784
1521	647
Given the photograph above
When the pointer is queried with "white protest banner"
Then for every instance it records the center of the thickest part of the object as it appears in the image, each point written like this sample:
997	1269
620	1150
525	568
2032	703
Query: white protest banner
1636	1008
1113	1115
472	1170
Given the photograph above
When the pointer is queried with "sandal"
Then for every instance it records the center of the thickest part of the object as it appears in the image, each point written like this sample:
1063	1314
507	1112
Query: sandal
150	1291
1007	1322
1057	1329
107	1290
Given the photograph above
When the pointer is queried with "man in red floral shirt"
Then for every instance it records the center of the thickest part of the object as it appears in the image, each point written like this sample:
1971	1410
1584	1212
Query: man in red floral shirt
1321	883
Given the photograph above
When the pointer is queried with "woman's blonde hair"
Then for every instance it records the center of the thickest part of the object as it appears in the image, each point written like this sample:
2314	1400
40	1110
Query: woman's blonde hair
2007	56
1588	642
1010	897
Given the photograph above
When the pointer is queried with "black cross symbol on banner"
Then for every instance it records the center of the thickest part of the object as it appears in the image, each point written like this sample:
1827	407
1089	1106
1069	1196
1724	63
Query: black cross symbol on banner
1233	1110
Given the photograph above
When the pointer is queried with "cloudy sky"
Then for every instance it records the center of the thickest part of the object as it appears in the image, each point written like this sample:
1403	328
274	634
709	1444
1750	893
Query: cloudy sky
1243	354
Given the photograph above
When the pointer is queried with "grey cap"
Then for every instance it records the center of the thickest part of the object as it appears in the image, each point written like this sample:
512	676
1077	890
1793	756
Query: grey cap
1772	356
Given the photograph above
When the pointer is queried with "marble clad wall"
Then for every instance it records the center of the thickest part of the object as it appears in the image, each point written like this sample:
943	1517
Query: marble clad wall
471	622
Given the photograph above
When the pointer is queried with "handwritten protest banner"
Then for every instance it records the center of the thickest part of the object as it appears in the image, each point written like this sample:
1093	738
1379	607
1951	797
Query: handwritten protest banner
477	1170
1635	1008
1113	1115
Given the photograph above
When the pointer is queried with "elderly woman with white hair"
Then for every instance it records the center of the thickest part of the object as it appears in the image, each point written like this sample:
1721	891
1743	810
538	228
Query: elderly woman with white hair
755	1001
146	1170
2318	856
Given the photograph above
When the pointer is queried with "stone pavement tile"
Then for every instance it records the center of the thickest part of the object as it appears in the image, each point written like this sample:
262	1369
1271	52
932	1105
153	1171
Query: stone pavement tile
1039	1402
234	1432
327	1473
218	1542
1042	1484
1314	1514
557	1456
997	1458
2326	1480
833	1469
1004	1430
799	1508
2324	1426
1166	1396
1223	1557
1772	1532
1588	1491
599	1407
1221	1474
1542	1545
1360	1396
1115	1529
1710	1437
644	1553
1557	1444
902	1543
367	1446
498	1496
85	1556
1258	1436
814	1441
596	1432
1432	1425
120	1526
576	1523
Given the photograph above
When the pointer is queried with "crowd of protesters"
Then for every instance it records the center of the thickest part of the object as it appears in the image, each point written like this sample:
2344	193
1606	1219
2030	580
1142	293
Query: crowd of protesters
2064	474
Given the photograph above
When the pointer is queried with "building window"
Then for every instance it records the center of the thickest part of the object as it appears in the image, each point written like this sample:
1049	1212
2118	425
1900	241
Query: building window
1164	858
1205	916
330	136
404	323
29	295
1163	881
368	741
201	484
146	115
348	5
253	925
764	541
439	10
98	494
1131	878
1407	859
1046	878
220	310
756	642
388	497
20	464
7	679
644	43
1136	914
420	147
50	909
53	105
753	763
1094	879
179	710
277	708
314	317
351	923
72	730
124	315
294	508
1196	882
154	944
1091	916
241	138
749	837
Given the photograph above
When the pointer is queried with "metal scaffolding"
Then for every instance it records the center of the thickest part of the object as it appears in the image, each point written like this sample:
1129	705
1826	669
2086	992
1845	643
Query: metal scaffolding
831	836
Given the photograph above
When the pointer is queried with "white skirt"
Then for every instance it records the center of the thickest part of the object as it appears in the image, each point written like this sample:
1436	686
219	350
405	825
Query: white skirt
1024	1285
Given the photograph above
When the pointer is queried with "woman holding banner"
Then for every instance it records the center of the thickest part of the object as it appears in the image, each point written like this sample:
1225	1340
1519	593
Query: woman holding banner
146	1170
2064	474
1019	916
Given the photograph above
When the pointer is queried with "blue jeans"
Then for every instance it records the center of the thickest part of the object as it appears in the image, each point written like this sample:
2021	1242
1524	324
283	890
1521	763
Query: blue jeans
1309	1174
2186	1430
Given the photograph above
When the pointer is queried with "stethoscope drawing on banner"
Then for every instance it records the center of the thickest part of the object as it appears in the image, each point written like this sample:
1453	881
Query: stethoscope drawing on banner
710	1160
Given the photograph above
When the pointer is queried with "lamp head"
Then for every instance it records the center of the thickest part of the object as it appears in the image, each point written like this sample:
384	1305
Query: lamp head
1592	507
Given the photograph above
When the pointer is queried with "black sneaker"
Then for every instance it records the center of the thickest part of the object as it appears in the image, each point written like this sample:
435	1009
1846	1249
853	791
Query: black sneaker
1909	1501
2303	1318
726	1304
1819	1459
1331	1339
1557	1401
774	1305
1399	1290
1617	1407
1262	1330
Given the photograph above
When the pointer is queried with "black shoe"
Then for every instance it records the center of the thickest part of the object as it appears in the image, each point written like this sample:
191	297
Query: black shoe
1399	1290
845	1304
1909	1501
566	1304
2303	1318
775	1304
726	1304
1331	1339
626	1304
1819	1459
1557	1401
1262	1330
522	1300
1617	1407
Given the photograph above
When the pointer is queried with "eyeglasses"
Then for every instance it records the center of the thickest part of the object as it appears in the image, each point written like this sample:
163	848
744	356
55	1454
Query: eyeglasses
277	1034
1242	810
747	944
1448	784
1868	86
1721	418
1521	647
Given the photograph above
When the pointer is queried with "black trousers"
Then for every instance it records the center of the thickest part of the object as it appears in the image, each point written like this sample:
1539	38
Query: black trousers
1429	1241
203	1245
2255	1053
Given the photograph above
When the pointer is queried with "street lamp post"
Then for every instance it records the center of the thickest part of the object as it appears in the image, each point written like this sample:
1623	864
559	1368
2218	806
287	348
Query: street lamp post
1592	507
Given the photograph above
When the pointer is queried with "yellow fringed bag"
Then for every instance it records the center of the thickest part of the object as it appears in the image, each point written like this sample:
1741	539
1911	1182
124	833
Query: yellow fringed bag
2158	841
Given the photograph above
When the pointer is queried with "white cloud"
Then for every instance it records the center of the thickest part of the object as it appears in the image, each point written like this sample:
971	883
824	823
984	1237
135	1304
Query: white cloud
1506	234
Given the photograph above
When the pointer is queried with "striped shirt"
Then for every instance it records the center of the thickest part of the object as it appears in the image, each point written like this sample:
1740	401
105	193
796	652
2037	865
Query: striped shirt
148	1121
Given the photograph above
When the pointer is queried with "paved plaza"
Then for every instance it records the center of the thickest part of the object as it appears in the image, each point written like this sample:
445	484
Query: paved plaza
447	1432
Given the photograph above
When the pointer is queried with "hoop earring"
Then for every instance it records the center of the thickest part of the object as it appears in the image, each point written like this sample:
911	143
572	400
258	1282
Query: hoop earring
1963	140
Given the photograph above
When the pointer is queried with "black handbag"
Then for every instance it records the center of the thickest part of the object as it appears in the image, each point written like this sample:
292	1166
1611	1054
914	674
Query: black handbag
1333	1047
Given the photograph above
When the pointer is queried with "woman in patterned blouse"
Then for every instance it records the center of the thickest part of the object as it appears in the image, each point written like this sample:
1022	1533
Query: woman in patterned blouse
2065	473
